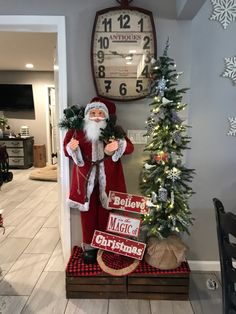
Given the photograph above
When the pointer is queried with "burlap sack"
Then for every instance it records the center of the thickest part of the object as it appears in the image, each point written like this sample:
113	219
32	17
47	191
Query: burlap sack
166	253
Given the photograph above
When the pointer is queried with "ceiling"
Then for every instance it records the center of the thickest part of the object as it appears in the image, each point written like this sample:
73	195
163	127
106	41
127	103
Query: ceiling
19	48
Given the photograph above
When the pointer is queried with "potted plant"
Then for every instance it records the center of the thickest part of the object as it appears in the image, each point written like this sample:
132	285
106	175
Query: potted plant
3	123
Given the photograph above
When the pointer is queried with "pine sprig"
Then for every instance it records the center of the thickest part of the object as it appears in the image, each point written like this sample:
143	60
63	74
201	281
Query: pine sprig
112	131
73	118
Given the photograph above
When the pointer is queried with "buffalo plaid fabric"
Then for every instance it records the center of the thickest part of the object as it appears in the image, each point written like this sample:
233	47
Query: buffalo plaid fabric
76	266
145	268
1	221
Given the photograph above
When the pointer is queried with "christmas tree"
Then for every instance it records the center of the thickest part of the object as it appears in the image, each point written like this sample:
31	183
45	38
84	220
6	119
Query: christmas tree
164	178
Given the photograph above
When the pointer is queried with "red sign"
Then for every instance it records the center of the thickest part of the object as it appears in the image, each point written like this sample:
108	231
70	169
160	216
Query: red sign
123	225
119	245
128	202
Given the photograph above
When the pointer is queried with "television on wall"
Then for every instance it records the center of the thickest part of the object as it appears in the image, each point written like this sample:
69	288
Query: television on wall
16	97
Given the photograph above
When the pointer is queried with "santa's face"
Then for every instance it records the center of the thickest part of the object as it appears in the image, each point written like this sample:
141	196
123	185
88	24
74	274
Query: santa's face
96	115
94	121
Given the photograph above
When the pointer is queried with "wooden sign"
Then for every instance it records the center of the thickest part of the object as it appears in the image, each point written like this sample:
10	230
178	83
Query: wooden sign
119	245
123	225
128	202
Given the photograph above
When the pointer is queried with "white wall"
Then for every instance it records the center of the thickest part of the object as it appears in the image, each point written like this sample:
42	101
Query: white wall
35	121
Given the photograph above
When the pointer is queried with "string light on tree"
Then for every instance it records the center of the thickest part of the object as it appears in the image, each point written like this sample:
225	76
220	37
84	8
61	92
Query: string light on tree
164	174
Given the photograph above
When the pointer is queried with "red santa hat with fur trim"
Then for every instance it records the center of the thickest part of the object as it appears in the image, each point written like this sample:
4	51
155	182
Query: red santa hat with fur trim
107	106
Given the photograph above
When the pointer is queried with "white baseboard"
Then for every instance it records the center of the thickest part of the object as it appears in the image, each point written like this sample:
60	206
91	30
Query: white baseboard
204	265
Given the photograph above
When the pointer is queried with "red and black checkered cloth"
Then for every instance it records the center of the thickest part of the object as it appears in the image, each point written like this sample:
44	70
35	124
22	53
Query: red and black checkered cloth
77	268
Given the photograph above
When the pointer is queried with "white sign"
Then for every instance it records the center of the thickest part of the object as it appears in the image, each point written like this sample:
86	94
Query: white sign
123	225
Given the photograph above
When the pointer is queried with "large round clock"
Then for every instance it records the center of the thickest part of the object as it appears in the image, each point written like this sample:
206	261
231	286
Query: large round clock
123	44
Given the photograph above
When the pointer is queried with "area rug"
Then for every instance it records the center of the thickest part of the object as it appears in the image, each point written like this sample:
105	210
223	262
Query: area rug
48	173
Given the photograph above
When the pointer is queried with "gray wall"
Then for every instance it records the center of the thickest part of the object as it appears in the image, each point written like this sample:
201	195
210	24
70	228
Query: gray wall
213	152
198	48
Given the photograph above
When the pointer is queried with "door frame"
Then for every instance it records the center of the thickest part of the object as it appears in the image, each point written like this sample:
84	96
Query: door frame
55	24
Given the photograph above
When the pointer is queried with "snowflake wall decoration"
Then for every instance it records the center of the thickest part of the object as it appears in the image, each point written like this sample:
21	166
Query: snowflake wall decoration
232	129
230	68
224	11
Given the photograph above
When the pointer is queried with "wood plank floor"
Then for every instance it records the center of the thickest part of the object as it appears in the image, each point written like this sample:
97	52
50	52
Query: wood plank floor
33	279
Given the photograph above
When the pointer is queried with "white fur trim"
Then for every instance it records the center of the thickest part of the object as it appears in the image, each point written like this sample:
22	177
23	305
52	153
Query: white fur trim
102	185
76	155
97	150
82	207
120	151
98	105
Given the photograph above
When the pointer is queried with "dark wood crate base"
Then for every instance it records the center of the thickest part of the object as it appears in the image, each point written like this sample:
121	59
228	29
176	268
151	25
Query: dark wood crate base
158	287
102	286
134	286
146	282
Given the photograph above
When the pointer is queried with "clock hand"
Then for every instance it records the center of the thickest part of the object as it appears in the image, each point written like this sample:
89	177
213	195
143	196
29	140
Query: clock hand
116	53
123	55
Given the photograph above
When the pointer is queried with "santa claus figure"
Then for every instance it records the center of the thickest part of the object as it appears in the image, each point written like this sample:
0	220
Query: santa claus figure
97	169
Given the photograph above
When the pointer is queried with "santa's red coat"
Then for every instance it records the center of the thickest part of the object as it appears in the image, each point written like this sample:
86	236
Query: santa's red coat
109	176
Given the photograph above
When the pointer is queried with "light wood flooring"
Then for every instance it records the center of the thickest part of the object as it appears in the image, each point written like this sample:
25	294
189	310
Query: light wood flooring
33	277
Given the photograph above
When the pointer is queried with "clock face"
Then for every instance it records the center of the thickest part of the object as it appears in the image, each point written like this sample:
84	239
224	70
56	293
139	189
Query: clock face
123	44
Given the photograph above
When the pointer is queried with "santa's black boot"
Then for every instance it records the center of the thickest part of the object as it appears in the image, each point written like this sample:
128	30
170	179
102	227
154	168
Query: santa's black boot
90	256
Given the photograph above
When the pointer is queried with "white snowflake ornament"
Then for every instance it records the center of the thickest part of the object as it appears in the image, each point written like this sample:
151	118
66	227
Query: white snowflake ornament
232	129
161	86
224	11
230	68
173	174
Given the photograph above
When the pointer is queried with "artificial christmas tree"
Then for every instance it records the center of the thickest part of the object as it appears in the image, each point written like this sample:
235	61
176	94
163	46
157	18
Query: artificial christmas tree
164	178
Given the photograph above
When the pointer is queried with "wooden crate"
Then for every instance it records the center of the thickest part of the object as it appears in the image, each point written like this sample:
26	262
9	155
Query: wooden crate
100	286
158	287
146	282
39	156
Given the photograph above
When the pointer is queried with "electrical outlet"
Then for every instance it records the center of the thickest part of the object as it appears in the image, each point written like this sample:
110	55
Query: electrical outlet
137	136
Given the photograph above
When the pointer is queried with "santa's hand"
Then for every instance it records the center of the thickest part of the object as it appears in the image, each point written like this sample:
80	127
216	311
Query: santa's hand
111	148
74	144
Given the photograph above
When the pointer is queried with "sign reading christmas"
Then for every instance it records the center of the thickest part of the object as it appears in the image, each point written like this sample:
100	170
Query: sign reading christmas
123	225
128	202
117	244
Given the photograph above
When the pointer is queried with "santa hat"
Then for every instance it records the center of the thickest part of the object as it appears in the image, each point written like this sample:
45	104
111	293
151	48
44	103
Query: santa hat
105	105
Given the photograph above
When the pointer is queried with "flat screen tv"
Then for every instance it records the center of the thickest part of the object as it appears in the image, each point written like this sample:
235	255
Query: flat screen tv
16	97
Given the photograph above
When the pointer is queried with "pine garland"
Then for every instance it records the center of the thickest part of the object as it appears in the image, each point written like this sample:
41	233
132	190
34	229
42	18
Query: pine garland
164	179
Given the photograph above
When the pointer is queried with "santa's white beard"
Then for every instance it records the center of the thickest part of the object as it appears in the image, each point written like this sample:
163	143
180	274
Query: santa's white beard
92	128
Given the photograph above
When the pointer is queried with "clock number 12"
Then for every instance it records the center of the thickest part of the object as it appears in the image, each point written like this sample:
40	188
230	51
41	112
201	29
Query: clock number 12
124	21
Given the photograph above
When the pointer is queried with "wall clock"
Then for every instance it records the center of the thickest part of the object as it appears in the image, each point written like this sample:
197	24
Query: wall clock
123	44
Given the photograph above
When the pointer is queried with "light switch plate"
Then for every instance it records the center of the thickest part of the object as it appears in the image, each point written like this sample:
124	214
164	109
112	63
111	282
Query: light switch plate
136	136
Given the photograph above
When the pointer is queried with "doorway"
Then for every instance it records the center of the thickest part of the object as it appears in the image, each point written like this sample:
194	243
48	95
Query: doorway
55	24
